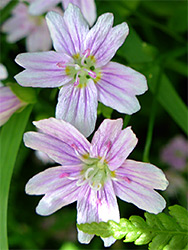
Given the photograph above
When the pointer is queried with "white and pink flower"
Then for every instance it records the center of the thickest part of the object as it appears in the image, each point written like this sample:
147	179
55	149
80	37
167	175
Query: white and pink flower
9	102
92	174
175	153
87	7
33	28
81	67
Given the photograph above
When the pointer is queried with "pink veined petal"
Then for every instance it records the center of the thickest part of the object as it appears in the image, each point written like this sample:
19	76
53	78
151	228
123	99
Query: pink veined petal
97	206
105	136
9	103
67	32
51	179
111	44
119	85
122	146
64	132
58	198
43	60
87	8
57	150
145	173
42	69
42	79
39	7
76	26
139	191
78	106
98	33
17	28
39	39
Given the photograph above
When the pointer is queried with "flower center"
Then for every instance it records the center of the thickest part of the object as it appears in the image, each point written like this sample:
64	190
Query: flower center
95	172
83	69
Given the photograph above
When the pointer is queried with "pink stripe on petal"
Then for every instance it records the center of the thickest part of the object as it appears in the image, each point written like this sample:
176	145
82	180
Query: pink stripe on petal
58	198
143	197
64	39
57	150
87	8
144	173
76	26
41	61
121	147
42	79
124	78
105	136
78	106
97	206
98	33
51	179
111	44
64	132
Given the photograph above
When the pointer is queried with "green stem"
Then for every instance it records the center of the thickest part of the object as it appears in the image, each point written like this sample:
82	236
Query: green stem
126	121
152	118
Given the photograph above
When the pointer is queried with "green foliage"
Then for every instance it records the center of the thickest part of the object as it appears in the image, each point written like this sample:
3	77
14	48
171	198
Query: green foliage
26	94
10	138
161	231
104	110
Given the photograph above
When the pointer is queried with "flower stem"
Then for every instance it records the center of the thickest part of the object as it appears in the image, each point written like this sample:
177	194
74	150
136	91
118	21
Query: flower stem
152	117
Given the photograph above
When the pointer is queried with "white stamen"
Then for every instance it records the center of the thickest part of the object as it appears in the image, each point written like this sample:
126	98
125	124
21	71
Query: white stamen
87	173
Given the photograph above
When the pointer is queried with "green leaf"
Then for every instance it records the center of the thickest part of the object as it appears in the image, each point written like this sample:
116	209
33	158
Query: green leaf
10	139
137	52
169	98
26	94
4	13
104	110
161	231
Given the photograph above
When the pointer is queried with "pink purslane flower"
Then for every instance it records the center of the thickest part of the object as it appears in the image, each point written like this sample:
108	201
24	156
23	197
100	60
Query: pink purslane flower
87	7
175	153
92	174
33	28
82	69
9	102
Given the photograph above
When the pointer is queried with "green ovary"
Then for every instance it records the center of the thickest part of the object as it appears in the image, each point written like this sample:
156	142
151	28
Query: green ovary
82	70
96	172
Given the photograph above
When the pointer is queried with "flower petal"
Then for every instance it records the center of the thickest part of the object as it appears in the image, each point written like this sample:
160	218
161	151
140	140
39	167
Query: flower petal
137	187
97	206
58	198
39	7
111	142
54	148
107	132
78	106
65	132
3	72
67	32
98	33
39	39
9	103
119	85
51	179
87	8
111	44
42	69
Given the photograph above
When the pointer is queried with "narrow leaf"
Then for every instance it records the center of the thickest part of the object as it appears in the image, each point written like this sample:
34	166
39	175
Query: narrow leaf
10	139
